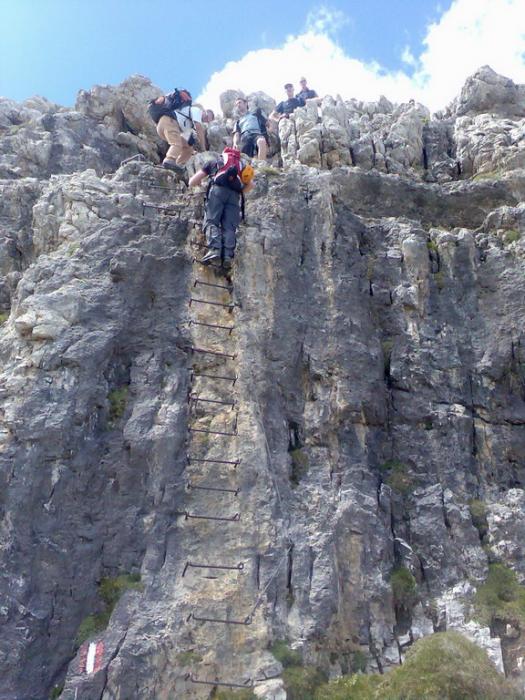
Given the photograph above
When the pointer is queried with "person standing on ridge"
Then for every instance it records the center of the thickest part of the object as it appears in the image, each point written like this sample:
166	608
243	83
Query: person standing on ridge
249	132
305	93
286	107
230	177
179	124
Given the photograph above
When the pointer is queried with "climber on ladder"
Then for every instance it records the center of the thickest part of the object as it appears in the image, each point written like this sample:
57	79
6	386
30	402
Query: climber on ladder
230	177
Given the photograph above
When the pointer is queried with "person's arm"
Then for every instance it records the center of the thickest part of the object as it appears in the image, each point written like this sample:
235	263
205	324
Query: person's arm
236	135
197	178
201	135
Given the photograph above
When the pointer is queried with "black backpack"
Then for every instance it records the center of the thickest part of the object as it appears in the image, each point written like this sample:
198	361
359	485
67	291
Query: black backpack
177	99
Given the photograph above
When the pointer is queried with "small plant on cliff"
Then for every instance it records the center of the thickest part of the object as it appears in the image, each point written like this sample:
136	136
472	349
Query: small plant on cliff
355	687
4	315
285	654
442	666
110	590
232	694
117	403
501	597
478	513
301	682
269	170
511	236
56	692
404	588
300	465
187	658
397	476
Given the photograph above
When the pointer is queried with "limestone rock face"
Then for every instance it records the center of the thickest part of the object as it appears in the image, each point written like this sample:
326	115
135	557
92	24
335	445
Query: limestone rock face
323	425
486	91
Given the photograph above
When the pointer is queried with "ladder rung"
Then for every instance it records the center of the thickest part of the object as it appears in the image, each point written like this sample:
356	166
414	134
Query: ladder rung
212	325
246	621
211	432
228	287
212	376
205	351
191	565
193	679
233	519
190	486
194	397
235	463
193	300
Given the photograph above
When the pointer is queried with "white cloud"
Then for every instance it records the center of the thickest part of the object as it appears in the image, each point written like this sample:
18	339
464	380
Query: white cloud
326	20
471	33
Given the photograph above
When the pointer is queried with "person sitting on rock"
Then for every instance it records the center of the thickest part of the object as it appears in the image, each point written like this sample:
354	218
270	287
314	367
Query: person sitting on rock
230	177
285	108
250	131
182	129
305	93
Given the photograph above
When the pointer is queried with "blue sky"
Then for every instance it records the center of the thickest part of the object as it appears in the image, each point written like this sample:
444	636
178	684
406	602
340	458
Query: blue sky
56	47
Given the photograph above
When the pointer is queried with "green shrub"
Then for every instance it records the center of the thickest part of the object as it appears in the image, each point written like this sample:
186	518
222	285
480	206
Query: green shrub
56	692
91	626
110	590
397	476
439	279
4	315
488	175
478	513
432	246
282	651
501	597
234	695
443	666
187	658
269	170
511	236
404	588
358	662
300	465
355	687
301	682
117	403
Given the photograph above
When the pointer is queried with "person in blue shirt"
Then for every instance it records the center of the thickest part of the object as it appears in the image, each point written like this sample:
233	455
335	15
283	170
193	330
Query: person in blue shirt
286	107
305	93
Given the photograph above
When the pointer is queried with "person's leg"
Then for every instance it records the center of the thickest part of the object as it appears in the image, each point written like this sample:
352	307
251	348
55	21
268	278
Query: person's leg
169	131
230	221
213	218
262	148
247	145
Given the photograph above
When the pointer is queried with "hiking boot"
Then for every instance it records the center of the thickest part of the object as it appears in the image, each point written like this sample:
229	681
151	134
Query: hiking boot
210	256
227	263
179	170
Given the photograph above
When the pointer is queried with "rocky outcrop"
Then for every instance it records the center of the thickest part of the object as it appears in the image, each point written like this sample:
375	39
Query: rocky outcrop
378	350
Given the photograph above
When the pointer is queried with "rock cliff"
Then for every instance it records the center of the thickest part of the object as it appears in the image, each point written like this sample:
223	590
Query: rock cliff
357	419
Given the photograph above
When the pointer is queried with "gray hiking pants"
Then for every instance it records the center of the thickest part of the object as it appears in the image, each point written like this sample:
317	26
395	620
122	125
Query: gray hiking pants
222	217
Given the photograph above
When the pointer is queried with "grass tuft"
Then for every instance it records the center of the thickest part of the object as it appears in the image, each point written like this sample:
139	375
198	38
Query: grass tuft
442	666
404	588
118	399
500	598
285	654
110	590
300	465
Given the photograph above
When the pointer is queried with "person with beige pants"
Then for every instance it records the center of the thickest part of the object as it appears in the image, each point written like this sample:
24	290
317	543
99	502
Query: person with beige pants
179	150
180	131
